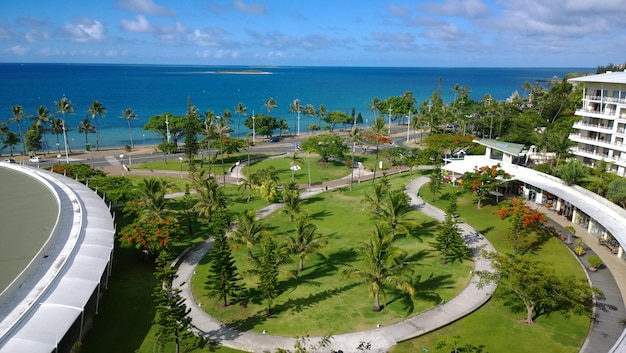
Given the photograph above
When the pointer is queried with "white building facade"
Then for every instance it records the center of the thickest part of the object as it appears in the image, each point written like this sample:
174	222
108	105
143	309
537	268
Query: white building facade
601	132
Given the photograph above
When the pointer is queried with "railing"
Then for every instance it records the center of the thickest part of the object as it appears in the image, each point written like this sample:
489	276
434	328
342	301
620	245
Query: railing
605	99
599	141
588	125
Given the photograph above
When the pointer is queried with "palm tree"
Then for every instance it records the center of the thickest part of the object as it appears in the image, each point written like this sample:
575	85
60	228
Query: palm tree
309	110
56	127
378	128
396	212
296	107
43	118
129	115
64	106
10	140
86	128
305	240
383	264
210	197
96	109
249	231
355	137
152	202
293	204
270	104
240	109
321	113
18	117
209	133
222	129
376	198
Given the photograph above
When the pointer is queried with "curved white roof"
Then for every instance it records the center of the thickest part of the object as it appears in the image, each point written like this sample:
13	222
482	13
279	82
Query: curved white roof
54	294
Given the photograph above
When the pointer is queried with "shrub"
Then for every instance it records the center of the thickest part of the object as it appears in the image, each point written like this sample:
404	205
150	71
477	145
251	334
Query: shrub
594	261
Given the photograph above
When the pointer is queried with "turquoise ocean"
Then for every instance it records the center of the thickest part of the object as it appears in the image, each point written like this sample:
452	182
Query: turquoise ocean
154	89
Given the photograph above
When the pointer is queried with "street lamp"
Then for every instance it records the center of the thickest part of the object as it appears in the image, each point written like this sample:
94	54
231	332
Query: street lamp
253	132
122	163
180	159
237	168
67	158
222	127
408	125
167	129
389	129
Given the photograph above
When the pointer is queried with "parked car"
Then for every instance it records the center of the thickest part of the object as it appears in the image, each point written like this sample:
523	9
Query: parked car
274	139
8	160
35	159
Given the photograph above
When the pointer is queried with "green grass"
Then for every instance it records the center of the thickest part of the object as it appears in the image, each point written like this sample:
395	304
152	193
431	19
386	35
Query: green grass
494	325
319	292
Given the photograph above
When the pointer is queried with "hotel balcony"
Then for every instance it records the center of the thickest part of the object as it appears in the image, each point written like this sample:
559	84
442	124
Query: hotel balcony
598	142
581	125
606	114
598	99
589	153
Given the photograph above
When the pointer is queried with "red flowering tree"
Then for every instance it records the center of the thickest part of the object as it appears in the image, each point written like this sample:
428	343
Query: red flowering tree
525	224
152	235
484	180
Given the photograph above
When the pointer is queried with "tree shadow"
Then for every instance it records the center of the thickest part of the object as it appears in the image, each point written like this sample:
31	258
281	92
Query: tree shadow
425	230
426	288
318	216
486	231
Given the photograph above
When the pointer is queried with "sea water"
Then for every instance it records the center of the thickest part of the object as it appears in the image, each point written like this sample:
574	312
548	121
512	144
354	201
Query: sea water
154	89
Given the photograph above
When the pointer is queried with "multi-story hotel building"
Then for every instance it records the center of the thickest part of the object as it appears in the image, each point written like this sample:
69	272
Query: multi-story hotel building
601	133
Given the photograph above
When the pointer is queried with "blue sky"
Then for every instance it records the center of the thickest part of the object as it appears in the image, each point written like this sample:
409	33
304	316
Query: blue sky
436	33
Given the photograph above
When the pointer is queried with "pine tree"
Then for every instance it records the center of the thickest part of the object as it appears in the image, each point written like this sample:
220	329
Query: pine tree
223	280
268	272
172	313
448	239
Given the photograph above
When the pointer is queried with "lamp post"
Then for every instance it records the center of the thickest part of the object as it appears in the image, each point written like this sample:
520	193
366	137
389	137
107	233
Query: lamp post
389	128
180	159
144	139
67	158
167	129
222	127
253	132
237	168
122	163
408	125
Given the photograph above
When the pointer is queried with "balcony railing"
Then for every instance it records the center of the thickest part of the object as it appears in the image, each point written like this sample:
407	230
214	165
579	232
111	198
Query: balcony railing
606	99
597	141
584	125
598	156
589	110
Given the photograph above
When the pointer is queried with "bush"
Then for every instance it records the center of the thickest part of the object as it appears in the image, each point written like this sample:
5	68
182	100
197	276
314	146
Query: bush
594	261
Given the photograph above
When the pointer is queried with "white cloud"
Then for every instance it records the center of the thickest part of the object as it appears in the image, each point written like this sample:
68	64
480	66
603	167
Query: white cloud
86	30
393	37
447	32
218	54
141	25
145	7
52	52
210	37
399	10
34	35
17	50
252	8
461	8
115	53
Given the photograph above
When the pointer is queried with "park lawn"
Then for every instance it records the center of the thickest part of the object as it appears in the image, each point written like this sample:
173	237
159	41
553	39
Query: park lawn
494	325
319	293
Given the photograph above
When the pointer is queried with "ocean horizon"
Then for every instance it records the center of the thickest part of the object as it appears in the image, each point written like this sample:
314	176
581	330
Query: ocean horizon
155	89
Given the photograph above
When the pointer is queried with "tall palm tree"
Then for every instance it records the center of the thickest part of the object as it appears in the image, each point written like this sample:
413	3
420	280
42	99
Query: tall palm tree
129	115
309	110
383	264
305	240
97	109
378	128
396	212
240	109
296	108
18	117
293	204
152	202
209	133
321	113
355	137
270	104
43	118
249	231
210	198
377	197
222	129
86	128
56	127
10	140
64	106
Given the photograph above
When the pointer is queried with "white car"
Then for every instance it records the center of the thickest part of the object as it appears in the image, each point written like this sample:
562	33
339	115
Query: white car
35	159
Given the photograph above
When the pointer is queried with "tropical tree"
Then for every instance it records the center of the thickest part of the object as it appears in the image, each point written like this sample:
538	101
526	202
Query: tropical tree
211	197
326	146
376	198
397	213
248	231
172	313
525	223
484	180
383	264
223	280
18	117
64	106
616	192
240	109
531	286
572	172
151	202
448	240
321	113
97	109
129	115
86	128
10	140
293	204
264	125
378	130
268	271
57	128
43	118
33	138
354	136
296	108
309	110
192	128
268	190
270	104
305	240
167	123
436	182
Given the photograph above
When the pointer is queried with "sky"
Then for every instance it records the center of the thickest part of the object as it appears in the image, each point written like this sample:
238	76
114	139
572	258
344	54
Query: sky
435	33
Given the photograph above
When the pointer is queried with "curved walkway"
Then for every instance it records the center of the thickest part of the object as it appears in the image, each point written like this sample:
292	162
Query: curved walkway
381	338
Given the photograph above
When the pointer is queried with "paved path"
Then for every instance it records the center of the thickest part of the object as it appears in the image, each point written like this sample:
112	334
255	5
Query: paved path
382	338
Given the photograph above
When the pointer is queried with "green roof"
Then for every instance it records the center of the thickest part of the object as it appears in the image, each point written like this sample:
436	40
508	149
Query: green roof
515	149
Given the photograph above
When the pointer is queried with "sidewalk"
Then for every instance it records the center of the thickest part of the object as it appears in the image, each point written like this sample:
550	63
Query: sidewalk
381	338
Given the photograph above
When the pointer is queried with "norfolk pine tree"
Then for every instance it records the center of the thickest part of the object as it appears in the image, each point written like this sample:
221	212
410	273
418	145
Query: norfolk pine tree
448	239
